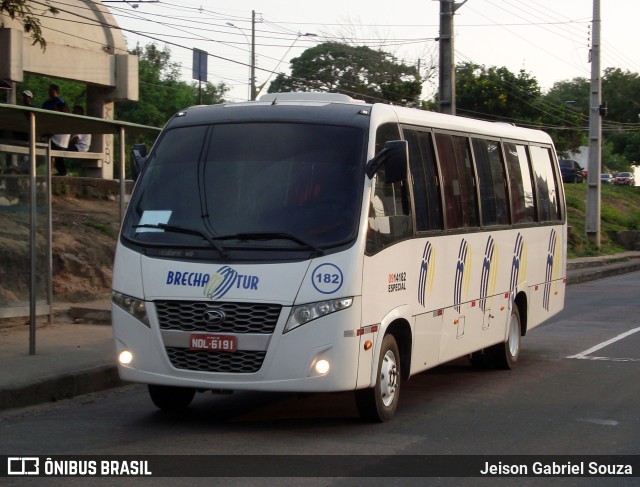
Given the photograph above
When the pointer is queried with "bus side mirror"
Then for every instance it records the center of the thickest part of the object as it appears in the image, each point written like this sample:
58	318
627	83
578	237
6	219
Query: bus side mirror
394	157
138	159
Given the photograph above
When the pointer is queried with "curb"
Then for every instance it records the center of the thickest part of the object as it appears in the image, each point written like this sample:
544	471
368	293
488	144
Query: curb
62	387
584	271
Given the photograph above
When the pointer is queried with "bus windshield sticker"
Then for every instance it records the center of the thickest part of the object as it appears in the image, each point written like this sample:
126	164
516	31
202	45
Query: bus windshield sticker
153	217
327	278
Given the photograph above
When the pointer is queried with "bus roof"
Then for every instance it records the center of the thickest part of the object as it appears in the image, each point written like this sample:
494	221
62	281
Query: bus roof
338	108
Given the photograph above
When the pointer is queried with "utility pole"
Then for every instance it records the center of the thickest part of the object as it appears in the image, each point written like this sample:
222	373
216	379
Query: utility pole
447	64
596	112
253	55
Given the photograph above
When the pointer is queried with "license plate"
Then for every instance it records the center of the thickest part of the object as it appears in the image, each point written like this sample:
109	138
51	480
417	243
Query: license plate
220	343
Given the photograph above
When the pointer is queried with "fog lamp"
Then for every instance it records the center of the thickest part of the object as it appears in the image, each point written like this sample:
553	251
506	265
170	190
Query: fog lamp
322	367
125	357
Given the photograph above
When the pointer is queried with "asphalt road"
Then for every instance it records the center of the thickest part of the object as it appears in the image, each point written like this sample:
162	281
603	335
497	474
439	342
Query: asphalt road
575	392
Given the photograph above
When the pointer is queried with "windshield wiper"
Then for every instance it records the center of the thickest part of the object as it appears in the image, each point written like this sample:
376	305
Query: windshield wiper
272	236
187	231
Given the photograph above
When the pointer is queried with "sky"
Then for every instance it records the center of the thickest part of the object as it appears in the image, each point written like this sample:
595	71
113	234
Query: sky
549	39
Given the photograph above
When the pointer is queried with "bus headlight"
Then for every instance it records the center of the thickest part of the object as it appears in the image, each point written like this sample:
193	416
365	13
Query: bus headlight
308	312
135	307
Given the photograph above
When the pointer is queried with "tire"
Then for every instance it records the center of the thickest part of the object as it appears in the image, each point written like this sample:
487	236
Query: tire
379	403
505	355
170	398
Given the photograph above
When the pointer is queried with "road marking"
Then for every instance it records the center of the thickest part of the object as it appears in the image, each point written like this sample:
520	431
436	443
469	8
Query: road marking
585	355
601	422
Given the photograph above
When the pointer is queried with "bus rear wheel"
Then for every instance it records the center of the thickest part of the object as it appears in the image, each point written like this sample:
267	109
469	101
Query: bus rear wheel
505	355
170	398
379	403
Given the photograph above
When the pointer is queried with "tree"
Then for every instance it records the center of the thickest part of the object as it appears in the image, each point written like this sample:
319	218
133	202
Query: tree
497	94
566	110
357	71
21	10
620	92
162	91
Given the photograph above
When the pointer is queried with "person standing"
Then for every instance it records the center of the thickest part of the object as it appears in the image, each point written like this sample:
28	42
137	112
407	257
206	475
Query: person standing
54	98
60	142
79	142
27	98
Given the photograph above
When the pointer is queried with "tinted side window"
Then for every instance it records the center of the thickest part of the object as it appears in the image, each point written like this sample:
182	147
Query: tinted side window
492	179
522	200
389	210
460	201
424	174
546	184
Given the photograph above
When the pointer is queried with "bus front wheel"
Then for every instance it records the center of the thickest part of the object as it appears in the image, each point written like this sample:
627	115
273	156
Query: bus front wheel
170	398
379	403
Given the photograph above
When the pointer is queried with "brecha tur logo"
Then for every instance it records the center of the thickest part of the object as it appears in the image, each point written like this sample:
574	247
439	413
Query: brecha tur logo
227	278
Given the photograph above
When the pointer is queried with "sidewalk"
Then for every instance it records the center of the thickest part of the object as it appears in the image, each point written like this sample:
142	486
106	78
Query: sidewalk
76	355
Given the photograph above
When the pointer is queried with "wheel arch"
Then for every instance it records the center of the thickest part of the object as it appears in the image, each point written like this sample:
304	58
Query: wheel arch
401	331
522	303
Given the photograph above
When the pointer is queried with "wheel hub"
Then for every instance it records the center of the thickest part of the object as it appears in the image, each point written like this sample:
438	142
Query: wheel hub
388	378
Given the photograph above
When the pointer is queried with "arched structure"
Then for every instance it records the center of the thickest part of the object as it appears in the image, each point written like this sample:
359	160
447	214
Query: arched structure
84	44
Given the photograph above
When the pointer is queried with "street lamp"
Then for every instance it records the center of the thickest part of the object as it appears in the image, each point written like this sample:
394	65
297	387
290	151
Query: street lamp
252	60
300	34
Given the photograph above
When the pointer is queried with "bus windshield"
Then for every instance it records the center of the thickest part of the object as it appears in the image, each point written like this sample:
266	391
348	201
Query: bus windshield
250	186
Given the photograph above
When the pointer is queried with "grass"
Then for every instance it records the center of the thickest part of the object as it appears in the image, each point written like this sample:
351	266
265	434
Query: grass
102	227
619	210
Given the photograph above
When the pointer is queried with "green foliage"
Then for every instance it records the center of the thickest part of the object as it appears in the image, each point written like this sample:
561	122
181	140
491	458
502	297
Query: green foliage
496	93
619	211
564	108
102	227
162	91
625	145
21	10
613	160
621	90
73	93
358	71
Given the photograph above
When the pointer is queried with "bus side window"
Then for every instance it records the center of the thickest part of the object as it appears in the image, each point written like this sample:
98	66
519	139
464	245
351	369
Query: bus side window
460	197
390	209
424	176
522	198
546	184
492	178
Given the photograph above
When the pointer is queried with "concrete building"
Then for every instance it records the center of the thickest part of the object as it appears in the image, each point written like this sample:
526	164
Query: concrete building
84	44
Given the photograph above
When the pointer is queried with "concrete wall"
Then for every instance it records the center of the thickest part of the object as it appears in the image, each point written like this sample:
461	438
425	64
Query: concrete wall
83	44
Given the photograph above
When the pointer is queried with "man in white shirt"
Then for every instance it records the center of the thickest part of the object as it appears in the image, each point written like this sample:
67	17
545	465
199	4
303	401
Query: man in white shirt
79	142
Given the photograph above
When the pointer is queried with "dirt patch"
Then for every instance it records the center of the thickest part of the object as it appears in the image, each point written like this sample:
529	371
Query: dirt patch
84	238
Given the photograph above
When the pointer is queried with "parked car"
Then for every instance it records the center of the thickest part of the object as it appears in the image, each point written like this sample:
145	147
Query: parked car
606	178
625	179
571	171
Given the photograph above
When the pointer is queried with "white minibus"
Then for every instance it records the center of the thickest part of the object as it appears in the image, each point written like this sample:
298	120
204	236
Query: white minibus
308	242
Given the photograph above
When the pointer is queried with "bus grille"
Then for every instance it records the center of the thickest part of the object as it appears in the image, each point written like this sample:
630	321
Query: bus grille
239	317
240	362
